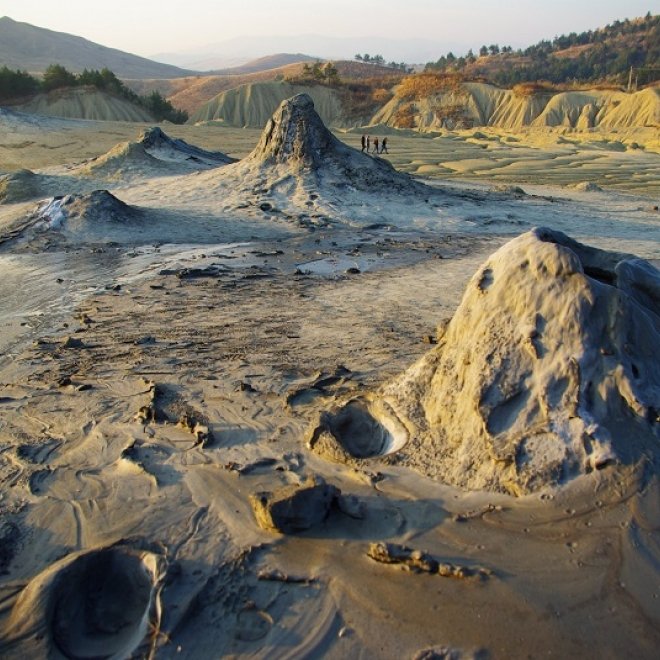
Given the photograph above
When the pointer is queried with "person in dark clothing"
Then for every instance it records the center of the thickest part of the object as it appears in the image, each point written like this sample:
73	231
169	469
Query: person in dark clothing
368	143
364	142
375	145
383	146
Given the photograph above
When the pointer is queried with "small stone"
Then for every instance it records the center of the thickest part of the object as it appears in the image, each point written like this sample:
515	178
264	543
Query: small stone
294	508
72	342
148	339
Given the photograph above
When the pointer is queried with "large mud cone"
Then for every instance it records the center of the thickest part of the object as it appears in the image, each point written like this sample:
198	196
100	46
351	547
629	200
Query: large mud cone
295	135
296	142
548	370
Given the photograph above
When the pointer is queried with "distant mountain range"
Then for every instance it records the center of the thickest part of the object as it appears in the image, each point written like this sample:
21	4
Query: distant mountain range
266	63
237	51
33	49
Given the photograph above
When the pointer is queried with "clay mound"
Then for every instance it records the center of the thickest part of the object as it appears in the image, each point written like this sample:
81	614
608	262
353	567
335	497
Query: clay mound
162	147
295	142
151	154
24	185
99	603
18	186
548	370
125	160
98	212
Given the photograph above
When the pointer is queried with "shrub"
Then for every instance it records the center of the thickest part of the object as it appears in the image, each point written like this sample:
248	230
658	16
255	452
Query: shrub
404	117
531	88
425	84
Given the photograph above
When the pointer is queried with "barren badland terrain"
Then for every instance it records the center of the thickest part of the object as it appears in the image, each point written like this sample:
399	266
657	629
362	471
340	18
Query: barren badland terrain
264	393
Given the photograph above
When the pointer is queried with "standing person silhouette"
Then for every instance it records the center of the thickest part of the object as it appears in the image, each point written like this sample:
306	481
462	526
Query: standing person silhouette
364	142
383	146
375	145
368	143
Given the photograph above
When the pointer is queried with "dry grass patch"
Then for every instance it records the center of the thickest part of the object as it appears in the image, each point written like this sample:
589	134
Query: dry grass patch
426	84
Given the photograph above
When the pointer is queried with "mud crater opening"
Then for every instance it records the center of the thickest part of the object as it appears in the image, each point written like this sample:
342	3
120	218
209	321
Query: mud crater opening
102	605
359	433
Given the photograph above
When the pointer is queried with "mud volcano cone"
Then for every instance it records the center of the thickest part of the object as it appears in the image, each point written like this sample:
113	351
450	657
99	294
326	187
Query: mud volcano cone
77	211
296	141
161	146
153	152
548	370
296	135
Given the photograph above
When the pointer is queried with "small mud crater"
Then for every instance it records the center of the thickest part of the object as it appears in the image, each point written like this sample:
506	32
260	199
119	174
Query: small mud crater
103	606
95	604
356	432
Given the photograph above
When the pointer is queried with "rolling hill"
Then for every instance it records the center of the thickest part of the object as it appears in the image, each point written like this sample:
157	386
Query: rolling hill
33	49
191	93
604	54
266	63
84	103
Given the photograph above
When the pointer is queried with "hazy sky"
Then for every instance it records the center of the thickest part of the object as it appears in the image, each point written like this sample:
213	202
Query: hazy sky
146	27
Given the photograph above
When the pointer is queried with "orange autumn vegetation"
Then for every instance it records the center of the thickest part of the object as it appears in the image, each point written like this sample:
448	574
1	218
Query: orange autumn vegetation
422	85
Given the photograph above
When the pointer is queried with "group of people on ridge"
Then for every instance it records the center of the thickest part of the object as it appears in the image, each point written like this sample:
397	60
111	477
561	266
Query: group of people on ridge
366	145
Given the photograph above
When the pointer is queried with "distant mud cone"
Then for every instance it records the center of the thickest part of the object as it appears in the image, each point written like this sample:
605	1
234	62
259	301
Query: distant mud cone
548	370
153	137
161	146
153	152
